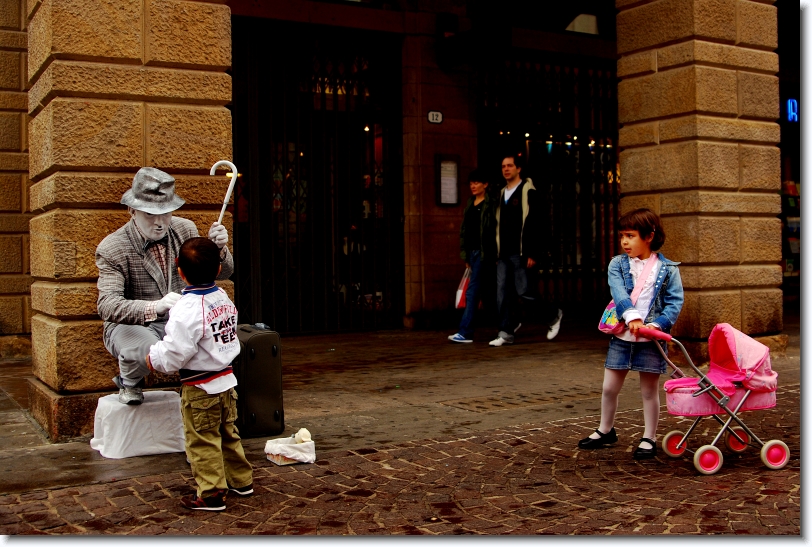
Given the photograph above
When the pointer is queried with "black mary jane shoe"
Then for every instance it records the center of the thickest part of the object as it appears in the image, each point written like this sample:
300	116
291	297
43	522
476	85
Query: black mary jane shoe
646	453
605	438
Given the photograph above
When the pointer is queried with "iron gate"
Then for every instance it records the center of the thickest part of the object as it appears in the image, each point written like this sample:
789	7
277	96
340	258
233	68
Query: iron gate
318	231
561	115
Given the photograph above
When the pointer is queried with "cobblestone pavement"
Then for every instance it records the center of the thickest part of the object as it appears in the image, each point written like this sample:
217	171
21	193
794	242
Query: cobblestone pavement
527	479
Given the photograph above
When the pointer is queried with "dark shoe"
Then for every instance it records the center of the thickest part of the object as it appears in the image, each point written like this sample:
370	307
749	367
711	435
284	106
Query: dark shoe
606	438
646	453
217	502
243	490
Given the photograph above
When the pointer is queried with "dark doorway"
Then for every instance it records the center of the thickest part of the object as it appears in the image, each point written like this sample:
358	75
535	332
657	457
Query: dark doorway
317	137
560	114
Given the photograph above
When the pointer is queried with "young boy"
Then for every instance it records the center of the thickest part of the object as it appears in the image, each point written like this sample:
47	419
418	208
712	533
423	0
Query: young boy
200	343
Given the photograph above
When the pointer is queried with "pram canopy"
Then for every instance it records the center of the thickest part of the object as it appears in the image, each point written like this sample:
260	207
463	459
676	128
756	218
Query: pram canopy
735	357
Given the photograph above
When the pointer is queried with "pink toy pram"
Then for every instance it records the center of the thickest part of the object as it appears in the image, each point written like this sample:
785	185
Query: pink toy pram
739	378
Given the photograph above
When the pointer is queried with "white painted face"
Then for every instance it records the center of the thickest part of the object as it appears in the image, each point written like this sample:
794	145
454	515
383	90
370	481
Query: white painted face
153	227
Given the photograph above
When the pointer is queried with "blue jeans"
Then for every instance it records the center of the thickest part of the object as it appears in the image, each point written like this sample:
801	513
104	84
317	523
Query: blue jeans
471	295
511	281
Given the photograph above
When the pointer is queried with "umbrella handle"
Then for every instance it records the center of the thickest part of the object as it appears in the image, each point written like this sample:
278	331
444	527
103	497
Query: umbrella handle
230	186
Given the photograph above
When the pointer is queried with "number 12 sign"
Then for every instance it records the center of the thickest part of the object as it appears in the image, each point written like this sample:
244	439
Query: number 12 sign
435	116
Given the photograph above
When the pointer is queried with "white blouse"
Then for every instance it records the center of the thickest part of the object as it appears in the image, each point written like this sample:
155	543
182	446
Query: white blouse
644	300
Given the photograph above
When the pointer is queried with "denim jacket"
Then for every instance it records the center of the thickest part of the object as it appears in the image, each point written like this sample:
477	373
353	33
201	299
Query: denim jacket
668	295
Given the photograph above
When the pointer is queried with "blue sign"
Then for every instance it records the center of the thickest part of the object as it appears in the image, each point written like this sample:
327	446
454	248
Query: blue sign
792	110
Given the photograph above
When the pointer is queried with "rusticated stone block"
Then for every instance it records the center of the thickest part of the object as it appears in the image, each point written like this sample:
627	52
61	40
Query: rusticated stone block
757	25
649	201
677	91
63	417
64	241
10	14
69	356
11	39
11	315
764	311
88	29
13	161
67	189
11	254
758	96
129	83
193	34
715	19
187	137
638	134
712	127
10	70
702	310
12	100
725	56
704	240
761	239
760	167
71	133
14	222
680	165
637	64
715	202
15	284
654	23
11	131
65	300
730	277
10	192
15	347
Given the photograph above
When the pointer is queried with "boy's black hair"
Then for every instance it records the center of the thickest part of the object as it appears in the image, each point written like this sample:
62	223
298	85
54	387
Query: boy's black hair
518	160
646	222
199	258
477	175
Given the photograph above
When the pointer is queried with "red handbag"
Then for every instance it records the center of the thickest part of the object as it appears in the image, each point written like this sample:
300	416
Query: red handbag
462	288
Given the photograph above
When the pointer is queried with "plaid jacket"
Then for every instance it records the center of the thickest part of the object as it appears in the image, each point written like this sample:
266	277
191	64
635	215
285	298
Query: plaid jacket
129	275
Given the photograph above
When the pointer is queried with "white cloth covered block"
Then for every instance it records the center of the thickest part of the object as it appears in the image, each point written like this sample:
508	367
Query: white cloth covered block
153	427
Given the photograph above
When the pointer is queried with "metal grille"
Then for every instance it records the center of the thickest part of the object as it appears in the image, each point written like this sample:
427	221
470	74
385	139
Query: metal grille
561	115
318	230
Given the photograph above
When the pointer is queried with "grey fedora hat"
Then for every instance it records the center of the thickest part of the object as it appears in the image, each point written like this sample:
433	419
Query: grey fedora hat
153	192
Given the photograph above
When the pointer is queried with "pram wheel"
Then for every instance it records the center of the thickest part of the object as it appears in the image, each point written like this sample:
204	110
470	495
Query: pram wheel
775	454
670	442
734	444
708	459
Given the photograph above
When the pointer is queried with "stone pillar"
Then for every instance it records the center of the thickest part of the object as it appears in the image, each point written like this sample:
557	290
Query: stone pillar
698	104
15	281
114	85
431	232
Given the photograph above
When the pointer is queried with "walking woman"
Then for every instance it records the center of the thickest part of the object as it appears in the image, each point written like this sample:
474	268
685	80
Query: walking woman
477	249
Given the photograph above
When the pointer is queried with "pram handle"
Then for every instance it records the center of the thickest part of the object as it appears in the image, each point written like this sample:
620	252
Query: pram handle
654	333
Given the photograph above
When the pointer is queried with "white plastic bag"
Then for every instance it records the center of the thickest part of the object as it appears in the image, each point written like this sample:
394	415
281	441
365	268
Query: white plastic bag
297	448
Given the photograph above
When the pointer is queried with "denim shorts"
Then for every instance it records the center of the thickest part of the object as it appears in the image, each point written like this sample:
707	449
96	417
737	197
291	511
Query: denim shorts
638	356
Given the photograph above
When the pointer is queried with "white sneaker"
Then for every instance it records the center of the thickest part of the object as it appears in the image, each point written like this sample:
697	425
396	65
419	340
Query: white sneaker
499	341
555	326
459	338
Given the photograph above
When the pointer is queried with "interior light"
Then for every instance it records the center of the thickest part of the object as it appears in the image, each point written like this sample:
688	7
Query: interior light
366	128
575	138
527	134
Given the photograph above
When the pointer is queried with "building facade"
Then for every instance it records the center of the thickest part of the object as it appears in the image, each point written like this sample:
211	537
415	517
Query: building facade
354	125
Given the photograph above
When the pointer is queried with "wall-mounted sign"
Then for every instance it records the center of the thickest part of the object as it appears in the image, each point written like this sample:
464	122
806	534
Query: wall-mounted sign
792	110
435	116
447	179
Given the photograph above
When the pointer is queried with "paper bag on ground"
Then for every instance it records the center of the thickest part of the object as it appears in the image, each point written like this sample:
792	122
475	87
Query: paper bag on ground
297	448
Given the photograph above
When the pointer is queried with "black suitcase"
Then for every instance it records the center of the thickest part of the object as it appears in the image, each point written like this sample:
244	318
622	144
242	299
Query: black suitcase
258	369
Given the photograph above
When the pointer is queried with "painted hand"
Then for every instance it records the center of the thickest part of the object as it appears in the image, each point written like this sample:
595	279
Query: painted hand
218	234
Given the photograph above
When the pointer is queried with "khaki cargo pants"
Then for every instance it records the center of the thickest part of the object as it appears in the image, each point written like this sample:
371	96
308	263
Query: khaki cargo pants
212	440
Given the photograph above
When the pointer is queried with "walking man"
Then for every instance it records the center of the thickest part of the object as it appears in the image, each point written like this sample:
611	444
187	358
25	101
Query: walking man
518	246
138	280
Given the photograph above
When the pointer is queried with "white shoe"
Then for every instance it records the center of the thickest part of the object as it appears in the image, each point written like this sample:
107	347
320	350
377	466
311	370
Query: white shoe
555	326
499	341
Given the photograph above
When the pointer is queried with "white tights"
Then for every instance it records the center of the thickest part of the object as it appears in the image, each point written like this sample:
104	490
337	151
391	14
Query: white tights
649	389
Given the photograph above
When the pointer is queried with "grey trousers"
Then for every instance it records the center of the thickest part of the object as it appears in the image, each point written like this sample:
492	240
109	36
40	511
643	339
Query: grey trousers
130	345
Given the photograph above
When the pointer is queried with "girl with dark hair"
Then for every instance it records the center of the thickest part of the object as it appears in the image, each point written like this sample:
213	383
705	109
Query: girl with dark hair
658	306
